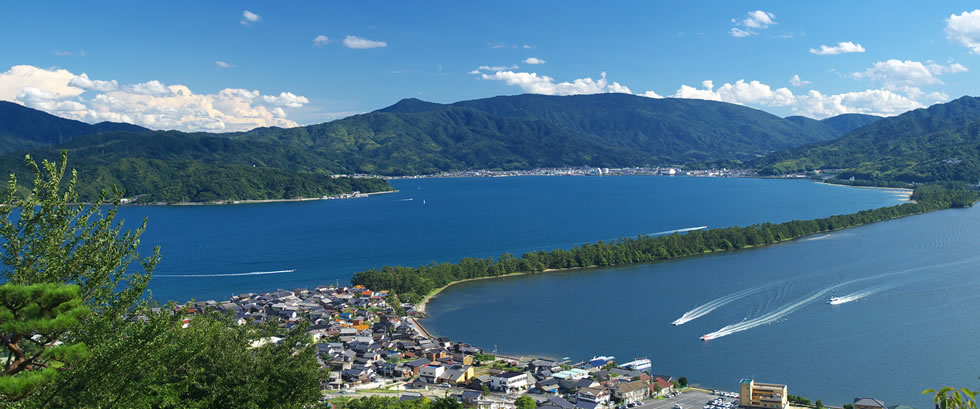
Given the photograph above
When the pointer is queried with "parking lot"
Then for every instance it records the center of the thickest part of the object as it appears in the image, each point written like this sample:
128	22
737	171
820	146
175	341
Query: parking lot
687	400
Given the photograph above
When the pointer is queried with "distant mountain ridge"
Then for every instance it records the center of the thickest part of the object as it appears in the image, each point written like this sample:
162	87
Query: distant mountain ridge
938	143
410	137
23	128
526	131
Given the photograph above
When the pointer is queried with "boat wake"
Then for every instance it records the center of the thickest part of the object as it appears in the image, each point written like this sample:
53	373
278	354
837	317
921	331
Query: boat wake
686	229
818	238
253	273
405	200
712	305
844	299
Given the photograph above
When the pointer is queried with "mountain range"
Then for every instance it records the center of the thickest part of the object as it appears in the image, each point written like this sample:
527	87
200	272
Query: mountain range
414	137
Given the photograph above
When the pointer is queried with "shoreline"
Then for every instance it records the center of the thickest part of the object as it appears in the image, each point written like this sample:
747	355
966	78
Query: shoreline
260	201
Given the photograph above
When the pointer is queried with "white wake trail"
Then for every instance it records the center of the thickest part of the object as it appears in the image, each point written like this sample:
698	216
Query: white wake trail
712	305
844	299
660	233
253	273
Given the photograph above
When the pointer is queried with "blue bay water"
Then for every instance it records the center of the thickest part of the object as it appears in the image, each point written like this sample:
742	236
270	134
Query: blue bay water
444	220
915	328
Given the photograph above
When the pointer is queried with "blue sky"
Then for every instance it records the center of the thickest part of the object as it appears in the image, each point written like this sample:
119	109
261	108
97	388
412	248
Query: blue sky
226	66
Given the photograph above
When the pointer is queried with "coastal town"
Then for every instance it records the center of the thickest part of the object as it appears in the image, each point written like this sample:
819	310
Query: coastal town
373	345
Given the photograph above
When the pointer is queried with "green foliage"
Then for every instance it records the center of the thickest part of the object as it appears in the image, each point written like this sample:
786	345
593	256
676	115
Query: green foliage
527	131
484	358
395	304
32	320
941	143
643	249
848	406
136	358
525	402
682	381
951	398
798	399
818	404
385	402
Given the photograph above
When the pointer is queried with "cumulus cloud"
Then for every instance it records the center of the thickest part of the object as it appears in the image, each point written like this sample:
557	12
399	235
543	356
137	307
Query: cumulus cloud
843	47
249	17
534	61
896	73
222	64
320	40
754	20
964	29
286	99
359	42
152	104
813	103
797	82
741	92
543	84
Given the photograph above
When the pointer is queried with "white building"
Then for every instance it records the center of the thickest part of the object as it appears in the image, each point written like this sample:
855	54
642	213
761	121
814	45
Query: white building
509	382
431	372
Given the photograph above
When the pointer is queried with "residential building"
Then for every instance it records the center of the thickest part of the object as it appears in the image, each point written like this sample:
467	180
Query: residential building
630	392
509	382
762	395
431	373
868	403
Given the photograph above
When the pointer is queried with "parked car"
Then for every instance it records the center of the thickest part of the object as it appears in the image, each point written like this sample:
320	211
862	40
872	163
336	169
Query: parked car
678	407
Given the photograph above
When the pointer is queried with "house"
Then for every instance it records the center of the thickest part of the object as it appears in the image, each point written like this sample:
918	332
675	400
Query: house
509	382
416	365
593	395
661	387
431	373
470	397
549	385
586	383
462	358
630	392
457	374
868	403
559	402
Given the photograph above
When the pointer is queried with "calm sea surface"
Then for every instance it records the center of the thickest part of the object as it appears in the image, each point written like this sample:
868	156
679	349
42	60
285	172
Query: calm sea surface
217	251
915	326
912	324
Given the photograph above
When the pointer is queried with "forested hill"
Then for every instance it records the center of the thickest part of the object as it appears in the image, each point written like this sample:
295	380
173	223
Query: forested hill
527	131
180	167
939	143
23	128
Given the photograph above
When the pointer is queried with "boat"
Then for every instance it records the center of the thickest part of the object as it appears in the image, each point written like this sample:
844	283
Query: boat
706	337
640	364
836	300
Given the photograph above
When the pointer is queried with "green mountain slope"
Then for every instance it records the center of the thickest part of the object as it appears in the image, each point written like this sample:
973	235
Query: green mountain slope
22	128
526	131
179	167
938	143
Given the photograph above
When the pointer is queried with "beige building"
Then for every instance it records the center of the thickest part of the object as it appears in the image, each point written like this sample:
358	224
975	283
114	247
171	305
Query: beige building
762	395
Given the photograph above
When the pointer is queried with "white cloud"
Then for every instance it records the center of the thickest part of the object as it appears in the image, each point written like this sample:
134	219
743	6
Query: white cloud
534	61
358	42
651	94
896	73
286	99
222	64
249	17
741	92
320	40
872	101
841	48
739	33
797	82
965	29
151	104
62	53
543	84
82	81
759	19
754	20
496	68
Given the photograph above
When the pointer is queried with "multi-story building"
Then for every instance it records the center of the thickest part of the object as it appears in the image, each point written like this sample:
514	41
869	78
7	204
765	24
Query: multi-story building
762	395
509	382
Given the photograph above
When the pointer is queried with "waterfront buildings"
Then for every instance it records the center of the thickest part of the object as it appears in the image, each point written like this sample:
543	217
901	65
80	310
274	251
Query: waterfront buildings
762	395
